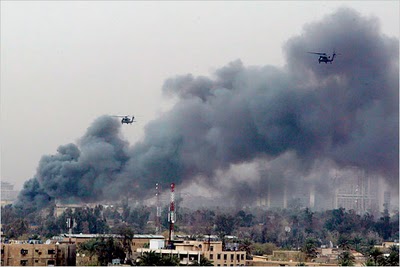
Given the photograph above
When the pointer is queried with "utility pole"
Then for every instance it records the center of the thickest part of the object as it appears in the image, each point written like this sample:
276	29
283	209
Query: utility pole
70	224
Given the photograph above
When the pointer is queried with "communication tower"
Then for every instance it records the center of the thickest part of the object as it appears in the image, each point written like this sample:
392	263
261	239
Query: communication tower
171	215
158	211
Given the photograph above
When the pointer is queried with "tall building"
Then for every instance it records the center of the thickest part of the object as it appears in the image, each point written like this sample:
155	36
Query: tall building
272	193
358	191
8	194
386	200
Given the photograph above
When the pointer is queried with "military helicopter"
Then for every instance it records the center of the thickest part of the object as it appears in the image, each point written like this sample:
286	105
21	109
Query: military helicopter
323	57
126	119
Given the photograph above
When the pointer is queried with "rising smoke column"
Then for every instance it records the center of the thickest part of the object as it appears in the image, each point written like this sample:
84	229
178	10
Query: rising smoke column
345	112
80	172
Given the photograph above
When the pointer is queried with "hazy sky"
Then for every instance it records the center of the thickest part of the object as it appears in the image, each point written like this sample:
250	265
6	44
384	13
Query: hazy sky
63	64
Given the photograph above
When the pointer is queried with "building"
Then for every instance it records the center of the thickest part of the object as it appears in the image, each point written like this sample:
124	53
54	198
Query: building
138	241
358	191
38	254
190	251
8	194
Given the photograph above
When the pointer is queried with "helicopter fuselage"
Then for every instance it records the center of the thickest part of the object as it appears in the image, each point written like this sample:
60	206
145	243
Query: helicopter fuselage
126	120
326	59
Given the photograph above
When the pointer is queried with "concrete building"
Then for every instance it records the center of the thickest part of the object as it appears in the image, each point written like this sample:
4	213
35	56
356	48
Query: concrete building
8	194
38	254
138	241
190	251
358	191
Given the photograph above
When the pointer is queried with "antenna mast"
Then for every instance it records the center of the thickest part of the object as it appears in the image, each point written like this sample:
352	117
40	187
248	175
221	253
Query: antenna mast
171	215
158	211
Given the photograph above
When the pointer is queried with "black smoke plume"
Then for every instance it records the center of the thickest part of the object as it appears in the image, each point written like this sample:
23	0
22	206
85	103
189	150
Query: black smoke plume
345	112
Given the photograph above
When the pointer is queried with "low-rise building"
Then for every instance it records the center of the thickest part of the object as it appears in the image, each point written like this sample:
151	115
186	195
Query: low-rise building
190	251
138	241
38	254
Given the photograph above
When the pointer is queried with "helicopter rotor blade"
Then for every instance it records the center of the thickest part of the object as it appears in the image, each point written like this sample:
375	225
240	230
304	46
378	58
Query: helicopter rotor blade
119	116
317	53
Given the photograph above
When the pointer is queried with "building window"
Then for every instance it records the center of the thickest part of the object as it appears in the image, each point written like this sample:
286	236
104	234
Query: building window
242	256
51	251
225	257
237	257
24	262
218	256
232	257
212	248
36	261
24	251
50	262
2	251
211	256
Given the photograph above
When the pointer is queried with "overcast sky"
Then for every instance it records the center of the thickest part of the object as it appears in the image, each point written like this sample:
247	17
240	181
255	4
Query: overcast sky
63	64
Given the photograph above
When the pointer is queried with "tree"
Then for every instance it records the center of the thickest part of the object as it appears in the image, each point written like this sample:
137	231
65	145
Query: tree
127	234
310	248
308	221
138	218
262	249
243	219
106	249
375	254
383	226
8	214
357	241
246	245
203	262
151	258
170	260
109	249
346	259
17	228
393	258
344	242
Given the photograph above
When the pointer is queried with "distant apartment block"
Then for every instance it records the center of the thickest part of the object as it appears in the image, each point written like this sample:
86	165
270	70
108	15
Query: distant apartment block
352	189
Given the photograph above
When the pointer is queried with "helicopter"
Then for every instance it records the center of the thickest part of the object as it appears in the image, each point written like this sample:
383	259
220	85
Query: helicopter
126	119
323	57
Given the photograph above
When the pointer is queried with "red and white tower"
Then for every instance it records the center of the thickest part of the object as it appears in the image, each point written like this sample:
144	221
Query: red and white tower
171	215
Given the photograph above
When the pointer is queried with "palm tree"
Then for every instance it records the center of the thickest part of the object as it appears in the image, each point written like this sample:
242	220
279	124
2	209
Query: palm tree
346	259
393	258
203	262
149	259
375	254
310	248
246	245
153	259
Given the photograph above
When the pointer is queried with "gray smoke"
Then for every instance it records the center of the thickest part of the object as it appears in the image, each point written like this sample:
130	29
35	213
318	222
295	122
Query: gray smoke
345	112
80	172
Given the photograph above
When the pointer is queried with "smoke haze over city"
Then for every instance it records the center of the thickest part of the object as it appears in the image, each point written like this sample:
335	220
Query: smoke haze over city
244	127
